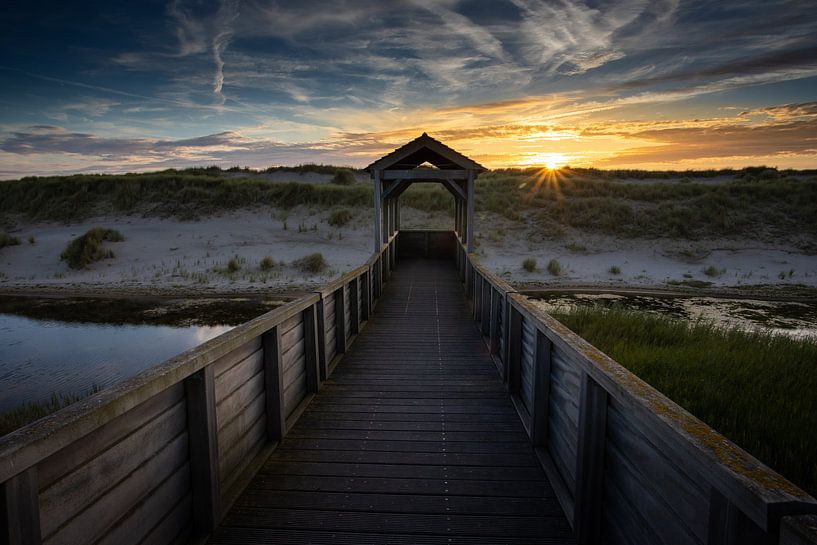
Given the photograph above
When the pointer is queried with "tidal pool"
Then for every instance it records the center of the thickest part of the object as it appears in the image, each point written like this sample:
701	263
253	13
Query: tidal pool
794	318
70	346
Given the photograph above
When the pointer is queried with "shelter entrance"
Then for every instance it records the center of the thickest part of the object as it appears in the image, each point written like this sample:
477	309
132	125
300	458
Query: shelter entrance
423	160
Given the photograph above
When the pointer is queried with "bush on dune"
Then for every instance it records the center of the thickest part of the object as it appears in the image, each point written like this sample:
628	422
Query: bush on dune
312	263
8	240
87	249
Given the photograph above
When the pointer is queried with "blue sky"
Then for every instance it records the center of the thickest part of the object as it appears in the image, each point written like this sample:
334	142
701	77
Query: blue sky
124	86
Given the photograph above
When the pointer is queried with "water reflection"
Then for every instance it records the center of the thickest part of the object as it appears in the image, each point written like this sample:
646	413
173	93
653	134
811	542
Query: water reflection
39	357
793	318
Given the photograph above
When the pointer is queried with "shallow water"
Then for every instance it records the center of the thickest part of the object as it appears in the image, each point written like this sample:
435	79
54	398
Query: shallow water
69	346
795	319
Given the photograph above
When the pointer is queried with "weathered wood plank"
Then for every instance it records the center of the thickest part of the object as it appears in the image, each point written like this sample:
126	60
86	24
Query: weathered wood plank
274	385
202	429
589	496
20	510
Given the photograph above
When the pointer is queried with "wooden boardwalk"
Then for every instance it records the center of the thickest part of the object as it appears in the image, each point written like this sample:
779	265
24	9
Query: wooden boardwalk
413	439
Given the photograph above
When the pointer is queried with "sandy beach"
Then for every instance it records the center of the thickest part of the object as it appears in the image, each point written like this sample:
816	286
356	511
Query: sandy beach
173	257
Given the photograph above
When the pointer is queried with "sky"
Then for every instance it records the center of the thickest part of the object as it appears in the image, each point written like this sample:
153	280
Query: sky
112	86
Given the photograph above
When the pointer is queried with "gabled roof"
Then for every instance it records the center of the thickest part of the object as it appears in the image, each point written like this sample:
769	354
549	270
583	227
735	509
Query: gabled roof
424	149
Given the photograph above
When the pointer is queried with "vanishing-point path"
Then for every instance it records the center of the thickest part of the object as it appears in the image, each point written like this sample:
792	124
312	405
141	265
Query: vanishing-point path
413	439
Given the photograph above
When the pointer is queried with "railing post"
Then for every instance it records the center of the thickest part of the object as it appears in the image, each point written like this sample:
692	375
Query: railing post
514	348
485	304
320	328
340	320
274	384
314	369
496	302
202	431
477	287
20	509
589	495
354	304
728	525
366	306
542	349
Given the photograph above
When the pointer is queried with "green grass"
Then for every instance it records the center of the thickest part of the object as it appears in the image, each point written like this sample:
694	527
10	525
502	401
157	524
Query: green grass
340	217
8	240
755	202
312	263
615	269
757	389
529	264
87	249
234	264
554	267
29	412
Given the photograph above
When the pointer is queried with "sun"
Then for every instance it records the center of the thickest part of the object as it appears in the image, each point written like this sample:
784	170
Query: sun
549	161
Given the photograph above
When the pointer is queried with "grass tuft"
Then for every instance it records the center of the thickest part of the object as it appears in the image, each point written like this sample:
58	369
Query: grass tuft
234	264
529	264
8	240
267	263
615	269
312	263
554	267
87	249
757	389
713	271
340	217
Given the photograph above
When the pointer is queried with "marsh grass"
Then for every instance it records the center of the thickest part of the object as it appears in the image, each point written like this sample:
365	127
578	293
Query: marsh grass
343	176
757	389
529	264
615	269
8	240
29	412
554	267
87	249
312	263
713	271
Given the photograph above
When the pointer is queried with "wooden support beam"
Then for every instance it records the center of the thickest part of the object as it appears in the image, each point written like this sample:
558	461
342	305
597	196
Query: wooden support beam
354	305
20	510
395	189
274	384
366	293
469	231
315	372
484	321
340	320
455	189
320	315
542	350
378	221
728	525
429	174
202	432
496	302
514	349
589	495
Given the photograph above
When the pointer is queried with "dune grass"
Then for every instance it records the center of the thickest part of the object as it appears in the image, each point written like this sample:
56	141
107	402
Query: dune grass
312	263
758	202
340	217
757	389
87	249
8	240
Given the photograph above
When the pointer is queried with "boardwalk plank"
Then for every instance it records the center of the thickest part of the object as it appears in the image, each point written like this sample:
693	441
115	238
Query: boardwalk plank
412	440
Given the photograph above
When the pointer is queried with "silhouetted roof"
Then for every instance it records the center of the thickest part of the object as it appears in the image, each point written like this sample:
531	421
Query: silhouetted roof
424	149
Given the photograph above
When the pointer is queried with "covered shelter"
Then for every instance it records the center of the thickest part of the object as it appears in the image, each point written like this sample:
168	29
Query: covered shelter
423	160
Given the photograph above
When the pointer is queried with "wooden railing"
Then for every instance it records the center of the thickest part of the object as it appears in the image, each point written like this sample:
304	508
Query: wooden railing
628	464
160	457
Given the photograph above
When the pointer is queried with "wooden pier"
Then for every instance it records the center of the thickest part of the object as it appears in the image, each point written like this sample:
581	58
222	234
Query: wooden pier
413	439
